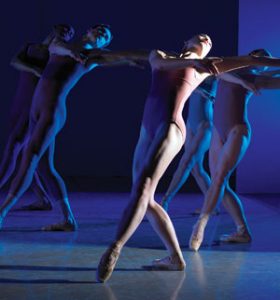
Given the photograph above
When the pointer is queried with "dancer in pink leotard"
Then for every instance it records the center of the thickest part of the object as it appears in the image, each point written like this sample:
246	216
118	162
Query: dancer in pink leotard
161	137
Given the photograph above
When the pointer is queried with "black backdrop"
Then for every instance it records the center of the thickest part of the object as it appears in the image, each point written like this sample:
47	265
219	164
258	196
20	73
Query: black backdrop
105	108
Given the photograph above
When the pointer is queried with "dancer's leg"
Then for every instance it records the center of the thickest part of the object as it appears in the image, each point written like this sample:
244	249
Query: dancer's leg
43	201
165	145
11	152
196	145
235	208
161	151
229	156
56	187
41	136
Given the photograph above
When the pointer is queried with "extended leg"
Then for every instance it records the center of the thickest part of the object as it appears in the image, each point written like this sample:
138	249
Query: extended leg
195	147
56	187
41	136
229	156
160	153
235	208
11	152
43	201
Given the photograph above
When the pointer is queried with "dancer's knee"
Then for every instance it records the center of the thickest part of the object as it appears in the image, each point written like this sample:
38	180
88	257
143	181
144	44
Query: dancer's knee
206	125
219	179
197	171
142	190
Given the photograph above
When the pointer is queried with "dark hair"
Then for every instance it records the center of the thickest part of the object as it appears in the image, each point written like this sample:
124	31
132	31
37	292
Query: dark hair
260	52
108	28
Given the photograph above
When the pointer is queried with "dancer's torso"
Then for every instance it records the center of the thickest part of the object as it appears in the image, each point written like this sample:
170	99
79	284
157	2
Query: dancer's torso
230	107
58	78
20	108
200	109
168	94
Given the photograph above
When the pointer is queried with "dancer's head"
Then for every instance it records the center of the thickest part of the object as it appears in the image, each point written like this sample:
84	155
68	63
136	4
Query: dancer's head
64	31
259	53
98	36
201	44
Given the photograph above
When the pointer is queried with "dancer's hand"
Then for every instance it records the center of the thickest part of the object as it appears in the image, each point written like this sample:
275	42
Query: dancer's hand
37	71
207	65
79	57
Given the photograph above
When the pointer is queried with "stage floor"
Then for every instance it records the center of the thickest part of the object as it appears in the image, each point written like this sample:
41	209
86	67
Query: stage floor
52	265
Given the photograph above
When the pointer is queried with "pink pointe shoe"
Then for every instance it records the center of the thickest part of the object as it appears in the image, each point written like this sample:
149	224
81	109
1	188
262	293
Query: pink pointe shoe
107	264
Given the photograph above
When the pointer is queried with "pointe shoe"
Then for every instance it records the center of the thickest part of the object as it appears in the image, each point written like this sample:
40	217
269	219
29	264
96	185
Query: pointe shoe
197	236
166	264
107	264
236	237
195	242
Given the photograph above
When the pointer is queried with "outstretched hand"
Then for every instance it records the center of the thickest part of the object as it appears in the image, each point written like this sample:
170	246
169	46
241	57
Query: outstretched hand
79	57
37	72
207	65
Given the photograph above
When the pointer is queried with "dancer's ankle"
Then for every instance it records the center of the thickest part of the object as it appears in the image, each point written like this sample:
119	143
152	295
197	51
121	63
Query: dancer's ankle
203	218
116	246
242	229
176	257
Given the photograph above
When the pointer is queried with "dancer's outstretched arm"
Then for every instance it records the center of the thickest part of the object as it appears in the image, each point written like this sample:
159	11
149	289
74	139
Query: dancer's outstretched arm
160	60
100	57
134	58
272	73
59	47
230	63
267	82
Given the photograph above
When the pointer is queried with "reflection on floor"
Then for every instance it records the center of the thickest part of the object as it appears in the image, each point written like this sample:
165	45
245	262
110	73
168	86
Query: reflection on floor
43	265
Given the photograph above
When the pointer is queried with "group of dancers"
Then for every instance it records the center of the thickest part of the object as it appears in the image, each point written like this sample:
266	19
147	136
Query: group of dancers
48	72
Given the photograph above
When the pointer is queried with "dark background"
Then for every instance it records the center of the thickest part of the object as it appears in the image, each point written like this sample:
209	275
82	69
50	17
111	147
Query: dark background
105	107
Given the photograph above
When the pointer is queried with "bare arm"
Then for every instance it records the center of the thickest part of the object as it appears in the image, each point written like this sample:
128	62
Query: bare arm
273	73
20	62
205	67
59	47
266	82
236	62
160	60
116	58
131	54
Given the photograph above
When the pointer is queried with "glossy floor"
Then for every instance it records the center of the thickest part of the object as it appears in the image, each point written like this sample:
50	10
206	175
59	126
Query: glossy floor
45	265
